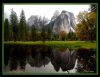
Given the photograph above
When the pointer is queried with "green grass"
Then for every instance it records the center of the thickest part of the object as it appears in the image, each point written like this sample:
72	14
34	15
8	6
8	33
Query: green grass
68	44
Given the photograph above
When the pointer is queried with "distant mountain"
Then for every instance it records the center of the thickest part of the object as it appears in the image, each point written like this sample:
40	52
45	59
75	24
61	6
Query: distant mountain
59	22
33	20
37	21
64	22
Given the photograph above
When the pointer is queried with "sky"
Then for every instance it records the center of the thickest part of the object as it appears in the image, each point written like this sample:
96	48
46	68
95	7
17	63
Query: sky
44	10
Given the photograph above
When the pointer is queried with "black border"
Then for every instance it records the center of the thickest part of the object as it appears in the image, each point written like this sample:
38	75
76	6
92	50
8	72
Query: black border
45	1
49	1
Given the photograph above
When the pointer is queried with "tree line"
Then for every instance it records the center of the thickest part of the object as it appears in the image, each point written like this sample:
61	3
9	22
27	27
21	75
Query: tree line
19	30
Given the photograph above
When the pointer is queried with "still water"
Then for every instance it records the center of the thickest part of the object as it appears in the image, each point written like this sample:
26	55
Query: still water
44	59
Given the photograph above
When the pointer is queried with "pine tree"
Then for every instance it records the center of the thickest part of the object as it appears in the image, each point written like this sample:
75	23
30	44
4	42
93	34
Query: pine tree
49	33
22	27
6	30
43	34
14	25
33	33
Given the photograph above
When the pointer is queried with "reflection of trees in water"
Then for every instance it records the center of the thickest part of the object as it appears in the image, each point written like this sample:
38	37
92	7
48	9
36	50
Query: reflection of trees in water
36	56
39	56
64	59
18	57
6	54
86	60
22	56
13	58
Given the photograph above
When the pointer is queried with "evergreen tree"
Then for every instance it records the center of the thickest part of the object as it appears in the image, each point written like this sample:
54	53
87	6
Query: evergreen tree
6	30
22	27
43	34
49	33
14	25
33	33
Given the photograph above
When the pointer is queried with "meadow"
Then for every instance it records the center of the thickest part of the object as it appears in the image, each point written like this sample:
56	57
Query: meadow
67	44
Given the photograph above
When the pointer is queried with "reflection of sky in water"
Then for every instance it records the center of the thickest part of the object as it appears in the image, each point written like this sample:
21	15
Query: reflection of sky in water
43	69
48	68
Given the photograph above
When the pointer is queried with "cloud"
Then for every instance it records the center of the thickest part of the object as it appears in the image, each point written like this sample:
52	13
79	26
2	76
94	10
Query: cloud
44	10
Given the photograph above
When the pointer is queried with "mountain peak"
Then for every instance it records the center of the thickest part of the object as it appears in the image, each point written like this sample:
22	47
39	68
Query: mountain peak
64	22
63	11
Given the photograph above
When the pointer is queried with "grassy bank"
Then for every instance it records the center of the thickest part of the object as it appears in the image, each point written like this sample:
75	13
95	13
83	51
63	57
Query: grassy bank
69	44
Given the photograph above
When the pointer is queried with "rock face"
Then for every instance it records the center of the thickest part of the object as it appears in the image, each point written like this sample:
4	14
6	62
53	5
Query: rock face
64	22
34	20
59	22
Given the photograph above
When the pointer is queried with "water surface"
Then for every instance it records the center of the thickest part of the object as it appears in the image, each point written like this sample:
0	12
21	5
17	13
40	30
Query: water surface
44	59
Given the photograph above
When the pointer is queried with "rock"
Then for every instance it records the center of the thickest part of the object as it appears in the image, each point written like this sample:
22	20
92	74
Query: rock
64	22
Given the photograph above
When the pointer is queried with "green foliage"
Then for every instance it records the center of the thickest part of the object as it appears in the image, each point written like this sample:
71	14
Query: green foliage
43	34
14	25
34	33
55	37
66	44
6	30
38	34
71	36
22	27
49	34
62	35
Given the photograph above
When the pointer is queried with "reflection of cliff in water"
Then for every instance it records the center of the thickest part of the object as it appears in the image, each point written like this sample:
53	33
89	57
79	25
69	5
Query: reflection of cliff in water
63	58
